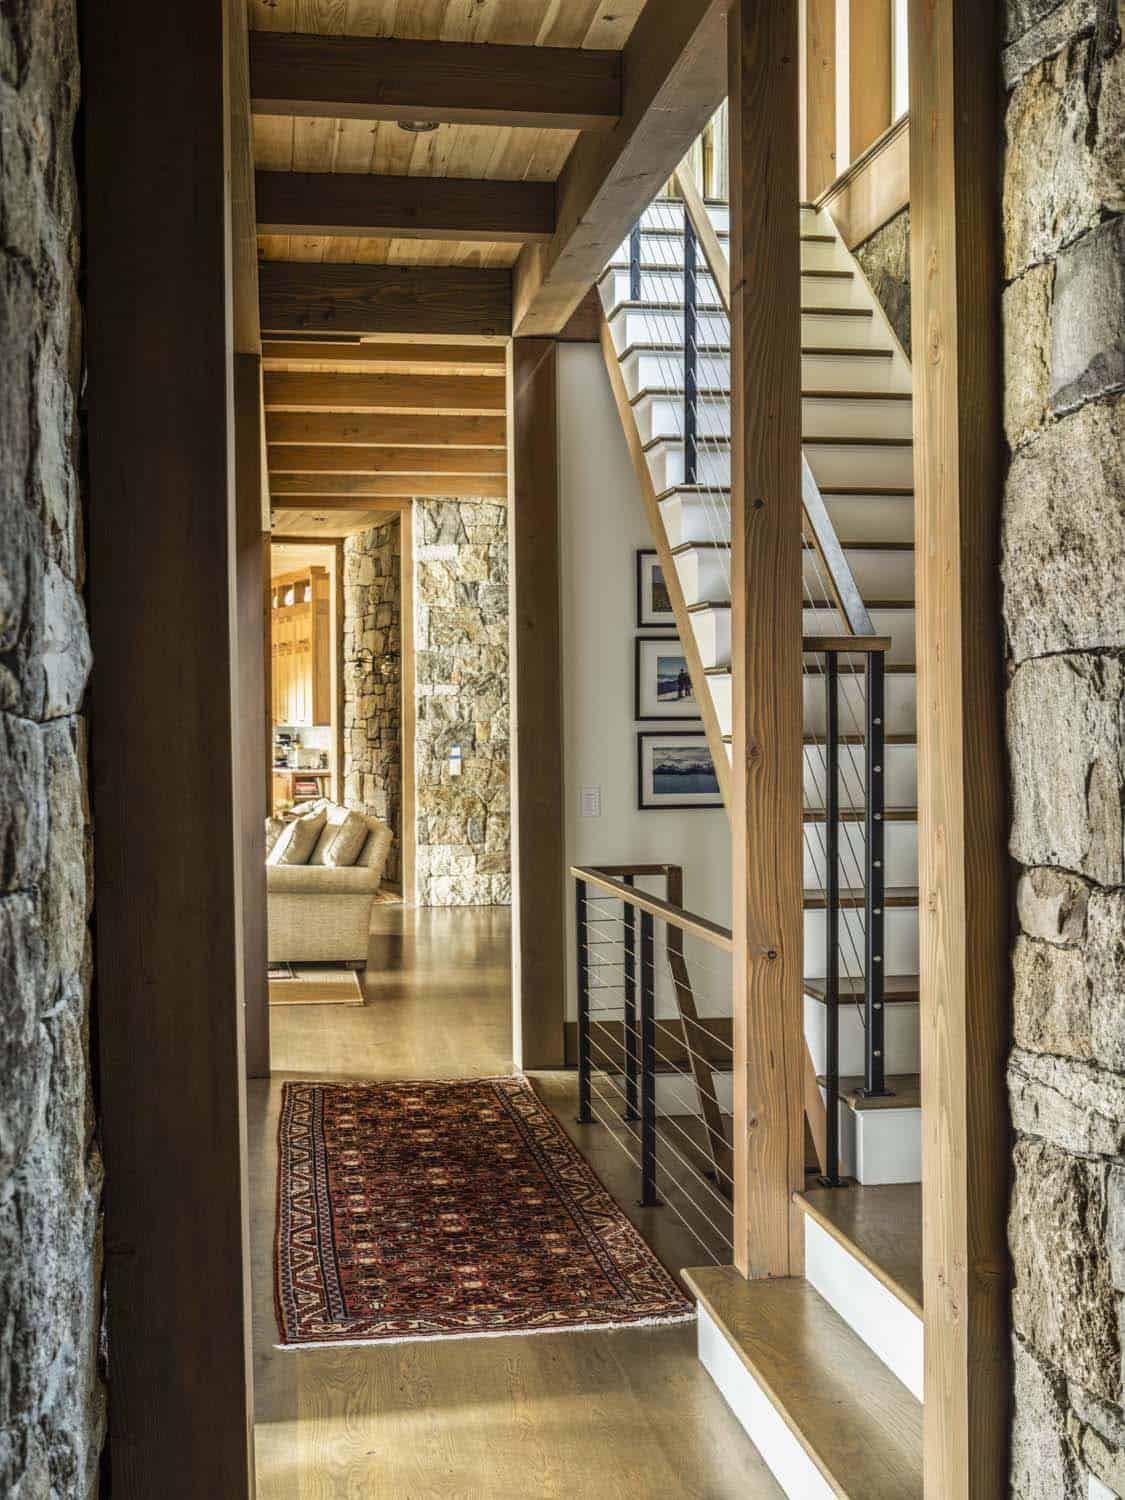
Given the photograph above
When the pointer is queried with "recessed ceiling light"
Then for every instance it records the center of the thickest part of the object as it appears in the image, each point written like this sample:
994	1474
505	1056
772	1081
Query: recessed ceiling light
417	127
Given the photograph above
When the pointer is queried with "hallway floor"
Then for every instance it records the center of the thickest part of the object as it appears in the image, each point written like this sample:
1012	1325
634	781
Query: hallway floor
626	1414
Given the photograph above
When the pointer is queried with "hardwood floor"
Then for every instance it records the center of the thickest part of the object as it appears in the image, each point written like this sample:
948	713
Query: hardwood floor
609	1415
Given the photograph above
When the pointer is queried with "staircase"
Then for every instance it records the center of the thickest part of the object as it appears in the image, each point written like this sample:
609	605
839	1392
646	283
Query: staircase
825	1372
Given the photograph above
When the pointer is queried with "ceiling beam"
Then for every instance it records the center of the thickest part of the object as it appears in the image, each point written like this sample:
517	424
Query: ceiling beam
674	78
295	459
457	83
404	429
302	491
487	358
298	390
319	297
426	208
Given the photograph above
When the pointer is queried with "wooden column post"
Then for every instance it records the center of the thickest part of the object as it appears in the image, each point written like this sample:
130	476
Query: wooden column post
250	589
766	634
819	123
538	846
163	747
963	864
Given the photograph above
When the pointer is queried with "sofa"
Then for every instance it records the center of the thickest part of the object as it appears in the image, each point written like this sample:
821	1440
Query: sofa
320	913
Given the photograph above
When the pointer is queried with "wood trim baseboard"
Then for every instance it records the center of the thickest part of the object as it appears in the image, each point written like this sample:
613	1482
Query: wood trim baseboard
874	188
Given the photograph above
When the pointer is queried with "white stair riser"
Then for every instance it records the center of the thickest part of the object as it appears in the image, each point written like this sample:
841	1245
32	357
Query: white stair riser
881	1146
666	465
660	249
896	623
839	372
900	854
637	325
704	574
663	416
662	369
695	518
836	465
900	703
840	417
766	1428
663	212
658	284
900	939
820	257
889	1328
825	331
872	518
900	1041
878	574
711	628
900	775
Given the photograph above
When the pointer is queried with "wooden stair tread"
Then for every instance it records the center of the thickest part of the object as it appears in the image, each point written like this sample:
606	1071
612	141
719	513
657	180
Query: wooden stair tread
843	441
852	896
905	1092
897	988
818	239
898	668
882	491
859	1425
857	814
822	395
881	1226
830	275
858	739
850	353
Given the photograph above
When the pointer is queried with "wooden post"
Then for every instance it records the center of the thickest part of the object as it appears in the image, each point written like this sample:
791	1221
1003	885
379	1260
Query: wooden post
163	748
762	56
409	706
250	589
819	124
538	847
963	865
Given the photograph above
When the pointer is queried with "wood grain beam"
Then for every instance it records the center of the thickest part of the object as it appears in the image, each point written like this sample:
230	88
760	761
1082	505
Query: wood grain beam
325	487
488	358
963	868
324	297
673	81
290	390
325	459
458	83
403	429
429	208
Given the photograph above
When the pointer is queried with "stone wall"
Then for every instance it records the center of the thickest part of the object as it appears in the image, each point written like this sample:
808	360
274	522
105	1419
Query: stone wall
461	667
373	680
1064	616
885	259
52	1402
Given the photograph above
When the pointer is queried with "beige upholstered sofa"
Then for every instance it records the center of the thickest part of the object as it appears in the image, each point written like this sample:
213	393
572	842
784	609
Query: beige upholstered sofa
319	913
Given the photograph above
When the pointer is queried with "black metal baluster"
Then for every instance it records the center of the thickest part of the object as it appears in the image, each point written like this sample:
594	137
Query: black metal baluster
635	263
832	920
691	345
585	1115
630	1007
874	1082
649	1198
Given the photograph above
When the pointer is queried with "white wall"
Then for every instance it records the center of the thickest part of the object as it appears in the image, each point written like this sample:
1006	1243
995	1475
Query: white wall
602	525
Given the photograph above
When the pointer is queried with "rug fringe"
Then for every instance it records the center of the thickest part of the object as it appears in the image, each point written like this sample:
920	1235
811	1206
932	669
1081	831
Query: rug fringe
667	1320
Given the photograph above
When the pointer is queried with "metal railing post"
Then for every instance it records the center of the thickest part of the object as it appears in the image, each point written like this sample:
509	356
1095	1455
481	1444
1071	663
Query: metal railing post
832	920
874	1081
635	263
585	1115
649	1197
691	346
629	1040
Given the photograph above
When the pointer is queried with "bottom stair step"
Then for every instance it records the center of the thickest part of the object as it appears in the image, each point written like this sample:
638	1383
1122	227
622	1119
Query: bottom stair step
823	1410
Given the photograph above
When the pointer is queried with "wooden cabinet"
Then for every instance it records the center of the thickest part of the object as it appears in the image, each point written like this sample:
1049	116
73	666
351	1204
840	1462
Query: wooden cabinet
302	648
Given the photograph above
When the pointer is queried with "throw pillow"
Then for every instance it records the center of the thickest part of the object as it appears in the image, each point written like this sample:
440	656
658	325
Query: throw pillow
344	849
298	840
275	827
335	817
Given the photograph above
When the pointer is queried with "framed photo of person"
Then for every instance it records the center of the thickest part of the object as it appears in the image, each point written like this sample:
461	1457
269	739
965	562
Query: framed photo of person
654	607
661	685
675	770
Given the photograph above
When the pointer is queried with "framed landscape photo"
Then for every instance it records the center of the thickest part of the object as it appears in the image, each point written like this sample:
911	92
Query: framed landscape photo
661	684
675	770
654	607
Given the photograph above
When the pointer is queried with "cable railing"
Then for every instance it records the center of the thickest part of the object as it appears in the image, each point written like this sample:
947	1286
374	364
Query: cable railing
652	1069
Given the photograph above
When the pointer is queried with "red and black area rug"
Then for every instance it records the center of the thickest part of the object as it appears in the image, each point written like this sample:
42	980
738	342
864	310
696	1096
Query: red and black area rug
452	1209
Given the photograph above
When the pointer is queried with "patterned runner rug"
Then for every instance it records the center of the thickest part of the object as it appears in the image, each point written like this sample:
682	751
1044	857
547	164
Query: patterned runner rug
453	1209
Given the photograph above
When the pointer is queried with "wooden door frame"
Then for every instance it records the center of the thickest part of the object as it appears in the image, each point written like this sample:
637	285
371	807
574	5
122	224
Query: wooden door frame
409	706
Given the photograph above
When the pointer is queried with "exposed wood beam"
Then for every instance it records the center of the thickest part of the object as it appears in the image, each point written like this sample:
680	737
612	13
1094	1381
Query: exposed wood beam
428	208
458	83
488	358
327	487
963	866
674	79
456	394
295	459
323	297
403	429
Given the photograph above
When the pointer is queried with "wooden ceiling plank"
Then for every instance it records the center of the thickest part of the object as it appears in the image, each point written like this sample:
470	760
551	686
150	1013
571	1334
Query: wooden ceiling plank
299	390
428	208
674	72
301	297
403	429
450	358
294	458
383	78
326	490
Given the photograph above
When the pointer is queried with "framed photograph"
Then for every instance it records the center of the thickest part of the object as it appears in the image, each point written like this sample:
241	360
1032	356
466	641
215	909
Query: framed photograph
654	608
675	770
661	682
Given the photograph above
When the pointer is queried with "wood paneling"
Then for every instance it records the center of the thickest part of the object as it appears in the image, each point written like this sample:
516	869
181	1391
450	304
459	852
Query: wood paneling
457	394
874	188
292	490
869	59
673	82
384	78
411	358
820	97
158	343
287	458
538	845
962	806
408	706
402	429
766	801
300	297
244	228
435	208
326	525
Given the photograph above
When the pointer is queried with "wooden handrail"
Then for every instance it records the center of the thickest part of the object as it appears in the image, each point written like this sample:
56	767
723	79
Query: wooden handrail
684	921
880	643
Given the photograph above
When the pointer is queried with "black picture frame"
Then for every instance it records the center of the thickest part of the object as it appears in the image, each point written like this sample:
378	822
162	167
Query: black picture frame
648	620
667	714
643	805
